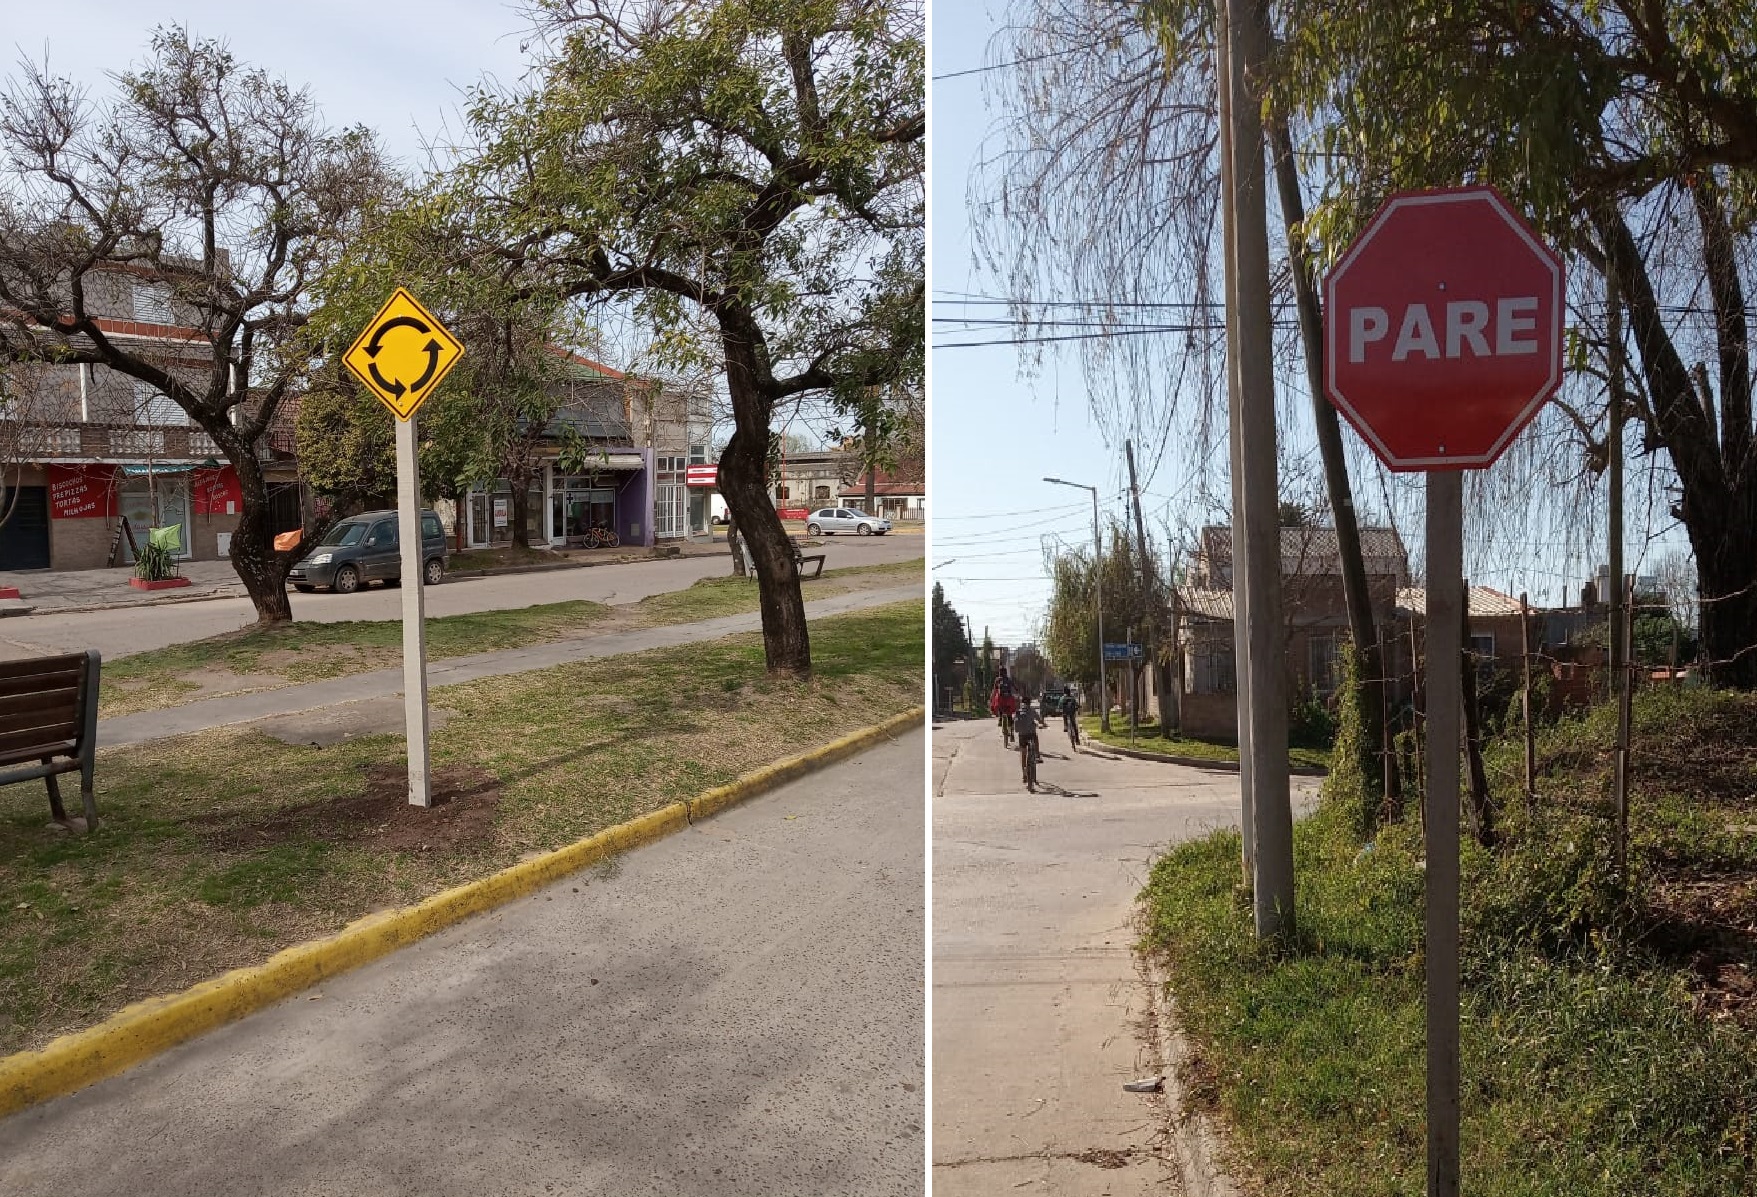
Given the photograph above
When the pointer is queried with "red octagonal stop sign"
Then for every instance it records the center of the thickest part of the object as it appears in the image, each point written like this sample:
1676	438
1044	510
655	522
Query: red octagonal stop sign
1443	329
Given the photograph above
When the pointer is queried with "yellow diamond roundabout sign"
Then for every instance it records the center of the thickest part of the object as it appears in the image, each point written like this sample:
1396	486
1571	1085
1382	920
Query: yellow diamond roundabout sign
403	354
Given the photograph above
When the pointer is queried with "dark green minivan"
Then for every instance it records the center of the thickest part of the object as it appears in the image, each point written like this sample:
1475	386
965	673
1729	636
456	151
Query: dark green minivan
364	548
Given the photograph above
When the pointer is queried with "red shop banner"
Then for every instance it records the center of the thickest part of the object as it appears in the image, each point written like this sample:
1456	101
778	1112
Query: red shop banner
792	513
82	492
216	492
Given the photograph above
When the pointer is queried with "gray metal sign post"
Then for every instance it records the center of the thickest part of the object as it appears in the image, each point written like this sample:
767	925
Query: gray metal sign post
414	608
1445	603
400	357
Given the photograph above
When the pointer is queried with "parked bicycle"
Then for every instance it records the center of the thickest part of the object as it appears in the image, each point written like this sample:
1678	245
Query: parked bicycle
602	538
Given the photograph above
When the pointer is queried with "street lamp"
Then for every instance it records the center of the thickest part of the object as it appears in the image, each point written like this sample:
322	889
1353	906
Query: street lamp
1098	584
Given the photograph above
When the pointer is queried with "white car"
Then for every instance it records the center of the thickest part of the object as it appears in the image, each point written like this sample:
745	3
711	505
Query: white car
828	521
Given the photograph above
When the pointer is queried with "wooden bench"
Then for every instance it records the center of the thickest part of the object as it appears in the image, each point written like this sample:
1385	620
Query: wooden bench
49	725
800	560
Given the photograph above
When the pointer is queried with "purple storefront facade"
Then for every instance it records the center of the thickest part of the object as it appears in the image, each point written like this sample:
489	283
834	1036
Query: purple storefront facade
616	491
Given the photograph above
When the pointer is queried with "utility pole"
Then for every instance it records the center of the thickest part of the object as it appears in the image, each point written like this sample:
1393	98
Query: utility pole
1098	588
1151	579
1272	890
1241	649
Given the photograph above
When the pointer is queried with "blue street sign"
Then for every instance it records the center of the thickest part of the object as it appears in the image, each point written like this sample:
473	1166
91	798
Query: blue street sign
1122	652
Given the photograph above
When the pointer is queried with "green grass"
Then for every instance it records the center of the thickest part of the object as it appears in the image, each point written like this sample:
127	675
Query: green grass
220	848
296	653
1591	1068
1147	739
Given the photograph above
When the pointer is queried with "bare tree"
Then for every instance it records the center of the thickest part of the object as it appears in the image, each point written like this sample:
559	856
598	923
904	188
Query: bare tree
213	178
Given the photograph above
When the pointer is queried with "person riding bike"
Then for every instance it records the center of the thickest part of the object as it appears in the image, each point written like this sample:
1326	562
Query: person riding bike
1071	715
1004	703
1026	725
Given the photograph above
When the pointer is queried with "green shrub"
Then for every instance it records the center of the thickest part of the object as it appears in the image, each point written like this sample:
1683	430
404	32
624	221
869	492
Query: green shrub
1310	724
154	563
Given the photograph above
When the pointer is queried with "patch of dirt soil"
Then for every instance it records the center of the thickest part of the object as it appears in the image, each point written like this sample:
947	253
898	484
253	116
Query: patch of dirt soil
1710	924
465	800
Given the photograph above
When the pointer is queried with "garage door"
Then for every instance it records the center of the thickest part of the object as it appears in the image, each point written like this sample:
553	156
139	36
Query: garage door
24	539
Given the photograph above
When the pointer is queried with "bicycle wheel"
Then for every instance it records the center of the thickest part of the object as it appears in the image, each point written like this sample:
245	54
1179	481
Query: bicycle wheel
1030	764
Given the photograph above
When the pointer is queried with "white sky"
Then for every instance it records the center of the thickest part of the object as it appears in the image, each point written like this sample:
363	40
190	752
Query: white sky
397	68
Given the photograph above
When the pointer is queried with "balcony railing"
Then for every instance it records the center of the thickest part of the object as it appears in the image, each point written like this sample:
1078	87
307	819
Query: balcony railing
138	442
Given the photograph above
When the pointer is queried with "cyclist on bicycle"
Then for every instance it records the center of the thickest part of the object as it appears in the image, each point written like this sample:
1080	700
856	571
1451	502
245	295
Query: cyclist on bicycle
1026	724
1071	714
1003	703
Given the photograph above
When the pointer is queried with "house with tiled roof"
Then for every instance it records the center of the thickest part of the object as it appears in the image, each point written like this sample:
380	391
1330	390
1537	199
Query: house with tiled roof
1313	606
899	494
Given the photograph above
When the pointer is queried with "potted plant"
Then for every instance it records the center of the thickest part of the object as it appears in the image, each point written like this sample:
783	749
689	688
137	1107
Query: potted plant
155	565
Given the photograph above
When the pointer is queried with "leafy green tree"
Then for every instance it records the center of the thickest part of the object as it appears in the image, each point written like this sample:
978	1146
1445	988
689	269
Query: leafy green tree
949	642
493	415
757	164
1070	633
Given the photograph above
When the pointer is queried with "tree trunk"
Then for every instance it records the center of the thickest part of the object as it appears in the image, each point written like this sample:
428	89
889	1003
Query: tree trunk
734	542
520	480
1356	594
872	455
262	570
743	480
1482	809
1719	503
1726	564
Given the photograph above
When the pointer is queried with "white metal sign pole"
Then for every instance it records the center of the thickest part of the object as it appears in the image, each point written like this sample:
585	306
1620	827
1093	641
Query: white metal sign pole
414	608
1445	561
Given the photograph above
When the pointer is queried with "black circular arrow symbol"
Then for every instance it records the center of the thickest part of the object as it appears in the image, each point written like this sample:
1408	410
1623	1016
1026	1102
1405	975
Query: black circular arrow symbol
431	348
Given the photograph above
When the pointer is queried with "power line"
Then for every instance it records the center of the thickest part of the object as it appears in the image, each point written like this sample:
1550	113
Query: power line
1001	66
1008	515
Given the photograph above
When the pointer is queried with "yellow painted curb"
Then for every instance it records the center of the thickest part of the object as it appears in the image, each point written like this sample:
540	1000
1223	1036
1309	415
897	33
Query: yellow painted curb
143	1030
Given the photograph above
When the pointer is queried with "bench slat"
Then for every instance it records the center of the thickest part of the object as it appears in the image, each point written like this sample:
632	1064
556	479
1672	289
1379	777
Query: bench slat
47	699
32	683
59	723
27	666
28	742
36	753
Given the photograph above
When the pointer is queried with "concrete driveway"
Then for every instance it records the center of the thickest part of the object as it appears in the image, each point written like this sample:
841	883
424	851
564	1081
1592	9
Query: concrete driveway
1038	1007
124	630
737	1009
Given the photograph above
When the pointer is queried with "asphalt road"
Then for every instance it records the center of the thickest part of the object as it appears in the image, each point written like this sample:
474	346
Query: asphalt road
1038	1007
737	1009
124	630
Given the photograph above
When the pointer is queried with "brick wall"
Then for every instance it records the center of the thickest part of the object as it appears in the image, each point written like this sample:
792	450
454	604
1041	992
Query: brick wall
80	544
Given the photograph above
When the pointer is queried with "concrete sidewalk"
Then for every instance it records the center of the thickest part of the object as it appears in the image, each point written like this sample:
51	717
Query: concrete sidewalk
388	683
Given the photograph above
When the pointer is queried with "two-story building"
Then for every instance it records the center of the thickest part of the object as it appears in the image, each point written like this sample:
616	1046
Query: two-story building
98	459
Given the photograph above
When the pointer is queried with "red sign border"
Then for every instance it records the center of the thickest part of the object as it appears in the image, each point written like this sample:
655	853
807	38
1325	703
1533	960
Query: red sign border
1520	226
